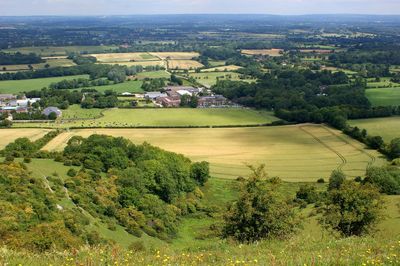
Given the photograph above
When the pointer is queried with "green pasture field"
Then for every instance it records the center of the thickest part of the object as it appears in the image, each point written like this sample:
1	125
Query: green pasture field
210	78
163	117
388	128
294	153
216	63
18	86
61	50
59	62
133	86
384	96
76	112
154	74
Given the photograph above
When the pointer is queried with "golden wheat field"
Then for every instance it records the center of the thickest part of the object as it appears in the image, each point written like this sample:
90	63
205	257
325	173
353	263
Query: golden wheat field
183	64
9	135
294	153
123	57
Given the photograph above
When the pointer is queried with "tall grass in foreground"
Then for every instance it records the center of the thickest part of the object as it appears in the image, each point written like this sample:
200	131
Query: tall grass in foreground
297	251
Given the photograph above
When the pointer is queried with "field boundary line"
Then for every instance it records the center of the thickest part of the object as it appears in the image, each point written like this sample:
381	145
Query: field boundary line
373	158
342	158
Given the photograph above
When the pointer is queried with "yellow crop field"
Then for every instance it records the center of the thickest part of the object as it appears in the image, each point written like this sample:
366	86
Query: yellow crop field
123	57
294	153
9	135
184	64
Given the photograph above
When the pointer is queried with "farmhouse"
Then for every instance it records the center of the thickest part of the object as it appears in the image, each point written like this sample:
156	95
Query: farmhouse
24	102
50	110
169	101
212	101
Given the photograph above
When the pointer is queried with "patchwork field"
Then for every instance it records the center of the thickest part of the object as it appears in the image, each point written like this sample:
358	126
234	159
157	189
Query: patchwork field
270	52
175	55
139	63
123	57
384	96
211	78
9	135
17	86
294	153
388	128
60	50
183	64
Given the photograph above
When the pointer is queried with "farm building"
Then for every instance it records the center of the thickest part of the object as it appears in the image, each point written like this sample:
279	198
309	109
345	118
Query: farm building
152	95
212	101
50	110
7	97
169	101
24	102
183	90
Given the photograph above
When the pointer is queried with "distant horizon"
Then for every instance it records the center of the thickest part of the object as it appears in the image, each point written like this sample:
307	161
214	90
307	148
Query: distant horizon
191	7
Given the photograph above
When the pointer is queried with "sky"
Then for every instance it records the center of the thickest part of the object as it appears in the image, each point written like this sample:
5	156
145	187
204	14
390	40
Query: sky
132	7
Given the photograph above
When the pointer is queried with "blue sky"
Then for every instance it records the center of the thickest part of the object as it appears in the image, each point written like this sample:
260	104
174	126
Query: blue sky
124	7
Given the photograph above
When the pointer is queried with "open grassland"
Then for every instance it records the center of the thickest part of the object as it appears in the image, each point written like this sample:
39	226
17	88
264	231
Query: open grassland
270	52
294	153
17	86
221	68
211	78
9	135
384	96
123	57
183	64
60	50
163	117
388	128
56	62
175	55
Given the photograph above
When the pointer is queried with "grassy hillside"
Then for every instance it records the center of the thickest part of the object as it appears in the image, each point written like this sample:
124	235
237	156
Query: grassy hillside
388	128
294	153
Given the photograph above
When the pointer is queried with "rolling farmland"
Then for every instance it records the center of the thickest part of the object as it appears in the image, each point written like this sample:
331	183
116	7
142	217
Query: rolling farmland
294	153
